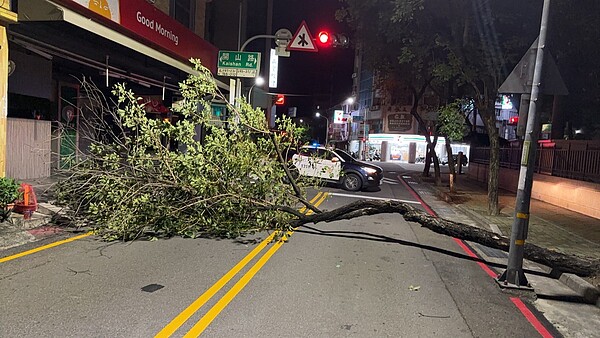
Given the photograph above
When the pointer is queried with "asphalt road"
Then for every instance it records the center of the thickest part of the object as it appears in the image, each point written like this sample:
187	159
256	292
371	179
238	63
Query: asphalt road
376	276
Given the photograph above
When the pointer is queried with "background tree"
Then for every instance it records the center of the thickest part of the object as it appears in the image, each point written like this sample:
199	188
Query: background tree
451	120
402	61
470	45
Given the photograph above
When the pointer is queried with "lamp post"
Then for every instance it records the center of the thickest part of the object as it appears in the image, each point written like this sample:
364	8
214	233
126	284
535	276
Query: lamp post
348	131
349	101
259	81
327	127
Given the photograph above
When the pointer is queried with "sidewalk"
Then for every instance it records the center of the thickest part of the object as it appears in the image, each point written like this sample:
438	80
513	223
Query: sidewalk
550	226
18	231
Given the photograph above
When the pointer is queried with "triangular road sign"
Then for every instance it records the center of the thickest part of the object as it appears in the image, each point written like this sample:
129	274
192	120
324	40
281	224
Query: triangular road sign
302	40
520	79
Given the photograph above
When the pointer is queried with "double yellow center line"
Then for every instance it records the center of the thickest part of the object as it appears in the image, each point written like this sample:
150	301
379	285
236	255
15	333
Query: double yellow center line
203	323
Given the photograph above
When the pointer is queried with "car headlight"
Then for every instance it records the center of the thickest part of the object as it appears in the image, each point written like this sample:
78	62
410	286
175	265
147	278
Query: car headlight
369	170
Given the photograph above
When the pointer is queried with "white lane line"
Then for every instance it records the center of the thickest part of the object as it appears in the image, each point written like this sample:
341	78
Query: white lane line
372	198
390	181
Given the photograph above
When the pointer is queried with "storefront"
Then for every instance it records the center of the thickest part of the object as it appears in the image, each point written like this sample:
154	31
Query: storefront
399	146
59	43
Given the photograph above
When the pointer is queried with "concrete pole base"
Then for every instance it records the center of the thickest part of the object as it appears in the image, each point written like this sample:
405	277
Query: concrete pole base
514	279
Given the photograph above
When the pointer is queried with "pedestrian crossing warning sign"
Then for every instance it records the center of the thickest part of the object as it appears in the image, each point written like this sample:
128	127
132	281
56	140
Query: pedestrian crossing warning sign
302	40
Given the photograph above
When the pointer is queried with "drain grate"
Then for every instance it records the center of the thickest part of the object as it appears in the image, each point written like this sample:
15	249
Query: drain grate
491	252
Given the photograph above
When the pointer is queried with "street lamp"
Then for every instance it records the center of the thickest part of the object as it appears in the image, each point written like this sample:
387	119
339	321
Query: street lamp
327	127
258	81
347	127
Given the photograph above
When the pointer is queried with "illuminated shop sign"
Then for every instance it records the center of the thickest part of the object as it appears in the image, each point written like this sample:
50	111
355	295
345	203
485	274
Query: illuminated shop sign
146	21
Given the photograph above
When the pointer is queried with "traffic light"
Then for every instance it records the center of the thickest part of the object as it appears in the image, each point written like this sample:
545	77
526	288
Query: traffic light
280	99
326	39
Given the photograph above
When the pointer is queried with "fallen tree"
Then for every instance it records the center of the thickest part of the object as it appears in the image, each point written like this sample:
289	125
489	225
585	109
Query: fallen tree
564	263
201	176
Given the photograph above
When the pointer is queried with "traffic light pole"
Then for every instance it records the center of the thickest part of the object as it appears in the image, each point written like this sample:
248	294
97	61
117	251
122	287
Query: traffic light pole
513	276
282	35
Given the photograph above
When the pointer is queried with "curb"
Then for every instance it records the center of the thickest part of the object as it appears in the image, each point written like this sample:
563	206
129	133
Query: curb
586	290
583	288
37	220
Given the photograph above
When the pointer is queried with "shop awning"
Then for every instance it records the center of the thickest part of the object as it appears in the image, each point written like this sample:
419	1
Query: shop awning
45	10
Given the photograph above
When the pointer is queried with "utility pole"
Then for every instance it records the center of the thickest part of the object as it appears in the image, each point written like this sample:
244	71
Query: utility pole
513	276
7	16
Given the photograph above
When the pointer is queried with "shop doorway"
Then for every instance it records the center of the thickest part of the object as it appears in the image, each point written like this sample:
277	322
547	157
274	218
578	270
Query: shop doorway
68	118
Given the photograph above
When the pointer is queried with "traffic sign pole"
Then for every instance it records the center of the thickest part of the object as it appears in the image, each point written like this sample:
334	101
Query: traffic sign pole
513	276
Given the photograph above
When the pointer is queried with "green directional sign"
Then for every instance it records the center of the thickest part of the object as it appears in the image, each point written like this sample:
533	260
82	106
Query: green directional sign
238	64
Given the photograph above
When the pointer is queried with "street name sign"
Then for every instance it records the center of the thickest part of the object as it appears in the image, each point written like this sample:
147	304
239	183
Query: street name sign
238	64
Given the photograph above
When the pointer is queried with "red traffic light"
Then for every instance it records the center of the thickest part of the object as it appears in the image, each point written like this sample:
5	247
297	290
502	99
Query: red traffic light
513	120
280	99
324	38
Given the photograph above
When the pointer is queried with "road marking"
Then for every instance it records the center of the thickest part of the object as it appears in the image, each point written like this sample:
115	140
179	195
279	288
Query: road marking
168	330
470	253
176	323
321	200
203	323
373	198
390	181
463	245
531	317
303	209
48	246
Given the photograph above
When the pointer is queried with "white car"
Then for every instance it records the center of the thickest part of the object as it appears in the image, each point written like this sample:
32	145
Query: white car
336	166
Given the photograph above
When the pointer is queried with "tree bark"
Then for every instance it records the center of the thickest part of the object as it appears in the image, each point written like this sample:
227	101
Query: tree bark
417	95
561	262
494	164
451	166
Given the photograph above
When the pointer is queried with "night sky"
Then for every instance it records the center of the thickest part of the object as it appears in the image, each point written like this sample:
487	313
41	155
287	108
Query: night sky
323	78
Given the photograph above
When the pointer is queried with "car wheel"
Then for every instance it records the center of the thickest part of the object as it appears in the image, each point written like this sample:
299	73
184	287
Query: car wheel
352	182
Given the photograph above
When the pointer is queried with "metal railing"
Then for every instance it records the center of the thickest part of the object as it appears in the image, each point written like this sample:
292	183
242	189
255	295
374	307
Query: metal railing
577	164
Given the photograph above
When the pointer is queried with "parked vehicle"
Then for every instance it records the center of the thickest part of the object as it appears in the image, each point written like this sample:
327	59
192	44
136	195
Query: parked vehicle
336	166
465	161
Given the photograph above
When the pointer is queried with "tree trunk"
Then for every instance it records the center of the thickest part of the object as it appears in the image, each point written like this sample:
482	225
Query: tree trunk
493	171
427	166
422	126
558	261
451	166
488	116
436	161
494	163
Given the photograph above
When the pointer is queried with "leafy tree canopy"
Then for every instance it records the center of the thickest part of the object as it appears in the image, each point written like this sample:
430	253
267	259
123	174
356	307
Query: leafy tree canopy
134	182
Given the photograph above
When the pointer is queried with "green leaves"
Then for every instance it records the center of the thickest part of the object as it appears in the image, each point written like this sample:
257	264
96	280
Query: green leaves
452	120
157	178
9	192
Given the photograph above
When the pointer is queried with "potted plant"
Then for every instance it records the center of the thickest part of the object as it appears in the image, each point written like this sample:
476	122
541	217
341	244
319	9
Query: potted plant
9	192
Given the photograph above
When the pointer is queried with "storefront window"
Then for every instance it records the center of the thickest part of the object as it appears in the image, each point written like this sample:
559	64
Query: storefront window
184	12
29	107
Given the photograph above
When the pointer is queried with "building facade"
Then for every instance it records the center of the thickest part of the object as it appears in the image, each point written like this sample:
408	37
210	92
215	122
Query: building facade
58	43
